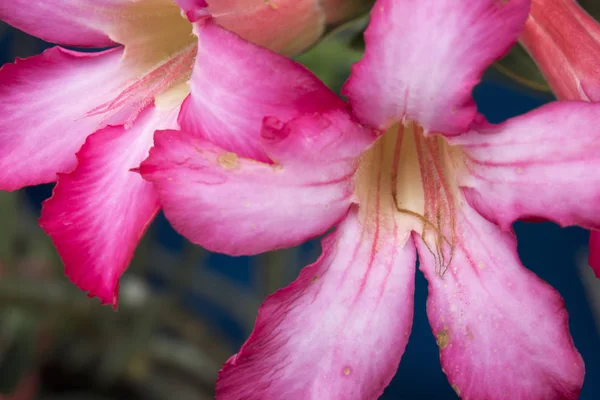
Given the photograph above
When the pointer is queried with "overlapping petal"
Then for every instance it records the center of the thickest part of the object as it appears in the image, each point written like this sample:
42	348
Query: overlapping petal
423	58
541	164
338	331
99	212
502	332
46	104
235	84
236	205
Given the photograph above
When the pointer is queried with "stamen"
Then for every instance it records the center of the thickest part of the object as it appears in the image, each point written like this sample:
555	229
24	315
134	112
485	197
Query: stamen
414	171
438	198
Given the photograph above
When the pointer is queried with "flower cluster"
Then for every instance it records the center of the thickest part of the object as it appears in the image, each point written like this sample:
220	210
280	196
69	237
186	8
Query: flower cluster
193	110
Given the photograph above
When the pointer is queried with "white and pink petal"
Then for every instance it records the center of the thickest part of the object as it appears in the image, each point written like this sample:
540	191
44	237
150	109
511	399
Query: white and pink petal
231	204
423	58
502	332
338	332
541	164
99	211
47	104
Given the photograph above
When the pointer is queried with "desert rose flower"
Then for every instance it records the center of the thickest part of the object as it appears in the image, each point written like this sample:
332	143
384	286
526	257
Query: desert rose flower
412	171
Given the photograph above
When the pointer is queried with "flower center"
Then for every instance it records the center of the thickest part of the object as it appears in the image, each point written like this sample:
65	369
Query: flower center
406	183
165	84
160	49
152	31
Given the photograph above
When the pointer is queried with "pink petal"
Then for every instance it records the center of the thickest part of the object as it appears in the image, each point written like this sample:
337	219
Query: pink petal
240	206
594	257
424	57
68	22
46	103
503	333
252	83
338	331
99	212
284	26
542	164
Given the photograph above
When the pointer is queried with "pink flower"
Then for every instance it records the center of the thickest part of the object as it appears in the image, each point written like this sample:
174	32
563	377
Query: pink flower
90	117
564	41
431	178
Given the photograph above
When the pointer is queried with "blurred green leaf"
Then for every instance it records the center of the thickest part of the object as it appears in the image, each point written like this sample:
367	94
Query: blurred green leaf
8	216
352	32
358	42
330	61
332	58
340	11
18	338
519	67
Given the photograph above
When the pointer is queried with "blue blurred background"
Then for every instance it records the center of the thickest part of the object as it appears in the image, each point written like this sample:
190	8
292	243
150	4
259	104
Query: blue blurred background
215	297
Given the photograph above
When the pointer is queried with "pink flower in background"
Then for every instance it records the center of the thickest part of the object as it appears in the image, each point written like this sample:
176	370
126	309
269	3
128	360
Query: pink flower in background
564	41
90	117
412	171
